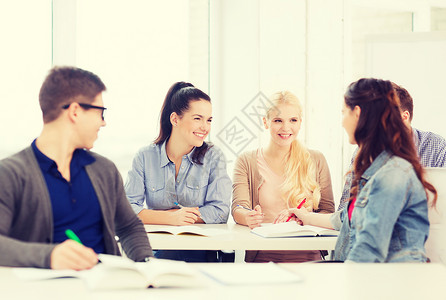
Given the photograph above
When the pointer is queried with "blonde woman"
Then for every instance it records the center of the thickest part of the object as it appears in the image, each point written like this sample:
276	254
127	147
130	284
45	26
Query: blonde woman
283	175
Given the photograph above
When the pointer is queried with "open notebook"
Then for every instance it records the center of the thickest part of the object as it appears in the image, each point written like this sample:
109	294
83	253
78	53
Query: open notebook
116	272
292	229
186	230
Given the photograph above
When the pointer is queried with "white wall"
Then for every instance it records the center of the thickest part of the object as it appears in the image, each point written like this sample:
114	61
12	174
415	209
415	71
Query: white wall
257	48
25	58
139	48
326	79
416	61
266	46
239	53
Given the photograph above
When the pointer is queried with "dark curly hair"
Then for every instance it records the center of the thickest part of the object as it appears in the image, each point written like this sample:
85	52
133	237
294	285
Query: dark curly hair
380	127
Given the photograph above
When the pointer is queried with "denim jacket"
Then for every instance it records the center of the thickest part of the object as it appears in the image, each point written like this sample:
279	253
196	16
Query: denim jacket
390	221
207	186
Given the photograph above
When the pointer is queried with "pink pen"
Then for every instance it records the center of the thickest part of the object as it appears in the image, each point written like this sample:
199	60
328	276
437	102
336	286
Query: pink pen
298	207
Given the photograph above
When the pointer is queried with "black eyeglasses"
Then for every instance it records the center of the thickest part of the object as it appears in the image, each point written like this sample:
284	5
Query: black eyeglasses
88	106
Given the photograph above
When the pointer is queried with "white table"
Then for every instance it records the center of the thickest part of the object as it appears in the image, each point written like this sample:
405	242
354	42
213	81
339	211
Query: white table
238	238
320	281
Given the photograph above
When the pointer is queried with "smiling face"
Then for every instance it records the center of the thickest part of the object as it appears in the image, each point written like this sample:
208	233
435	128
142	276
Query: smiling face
193	125
284	123
91	123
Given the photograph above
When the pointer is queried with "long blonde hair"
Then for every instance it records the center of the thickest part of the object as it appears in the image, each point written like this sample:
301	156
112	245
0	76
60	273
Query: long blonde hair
300	171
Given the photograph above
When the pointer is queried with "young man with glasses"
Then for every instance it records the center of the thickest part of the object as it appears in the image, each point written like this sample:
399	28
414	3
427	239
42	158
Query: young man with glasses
57	184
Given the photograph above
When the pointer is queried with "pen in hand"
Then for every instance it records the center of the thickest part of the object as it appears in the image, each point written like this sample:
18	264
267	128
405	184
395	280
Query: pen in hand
178	204
93	258
72	236
238	205
298	207
181	206
247	208
302	203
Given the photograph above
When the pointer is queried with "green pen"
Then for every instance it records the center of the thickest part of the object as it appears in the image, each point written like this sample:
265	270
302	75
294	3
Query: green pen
72	236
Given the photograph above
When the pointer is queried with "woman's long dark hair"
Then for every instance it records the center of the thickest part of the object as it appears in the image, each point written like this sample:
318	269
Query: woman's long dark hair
177	100
380	127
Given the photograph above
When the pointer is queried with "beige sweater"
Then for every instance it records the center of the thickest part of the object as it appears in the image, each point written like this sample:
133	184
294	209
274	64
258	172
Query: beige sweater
247	181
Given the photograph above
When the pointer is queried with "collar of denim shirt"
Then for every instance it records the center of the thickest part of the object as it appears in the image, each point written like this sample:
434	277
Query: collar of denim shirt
379	161
164	159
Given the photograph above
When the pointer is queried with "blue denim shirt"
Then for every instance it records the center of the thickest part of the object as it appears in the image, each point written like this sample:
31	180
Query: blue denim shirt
390	220
152	180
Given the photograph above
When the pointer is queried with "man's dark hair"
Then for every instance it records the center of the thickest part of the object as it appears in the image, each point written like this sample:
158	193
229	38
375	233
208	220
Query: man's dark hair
406	101
65	85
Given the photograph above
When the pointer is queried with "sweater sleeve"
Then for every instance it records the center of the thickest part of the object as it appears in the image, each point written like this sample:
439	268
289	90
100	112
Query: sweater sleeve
24	240
119	217
129	228
240	184
326	203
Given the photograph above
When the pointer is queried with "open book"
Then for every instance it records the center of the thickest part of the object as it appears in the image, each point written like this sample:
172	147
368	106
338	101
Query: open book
186	230
116	272
292	229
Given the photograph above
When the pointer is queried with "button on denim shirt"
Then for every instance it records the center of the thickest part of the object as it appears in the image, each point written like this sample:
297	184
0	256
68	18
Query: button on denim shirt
390	220
207	186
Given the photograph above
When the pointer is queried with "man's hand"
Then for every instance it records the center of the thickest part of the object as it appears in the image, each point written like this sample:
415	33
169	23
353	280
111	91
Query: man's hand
72	255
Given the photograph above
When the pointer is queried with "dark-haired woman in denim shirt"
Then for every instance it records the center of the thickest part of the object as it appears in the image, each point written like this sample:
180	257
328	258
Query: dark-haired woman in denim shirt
386	219
181	178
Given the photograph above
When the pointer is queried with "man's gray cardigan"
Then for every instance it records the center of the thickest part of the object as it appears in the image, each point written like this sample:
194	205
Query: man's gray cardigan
26	219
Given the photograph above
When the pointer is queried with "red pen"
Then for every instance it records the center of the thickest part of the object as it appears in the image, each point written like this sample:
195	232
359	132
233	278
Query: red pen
298	207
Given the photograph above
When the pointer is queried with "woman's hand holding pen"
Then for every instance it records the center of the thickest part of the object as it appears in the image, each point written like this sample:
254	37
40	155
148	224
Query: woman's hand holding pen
300	215
285	216
254	217
185	216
